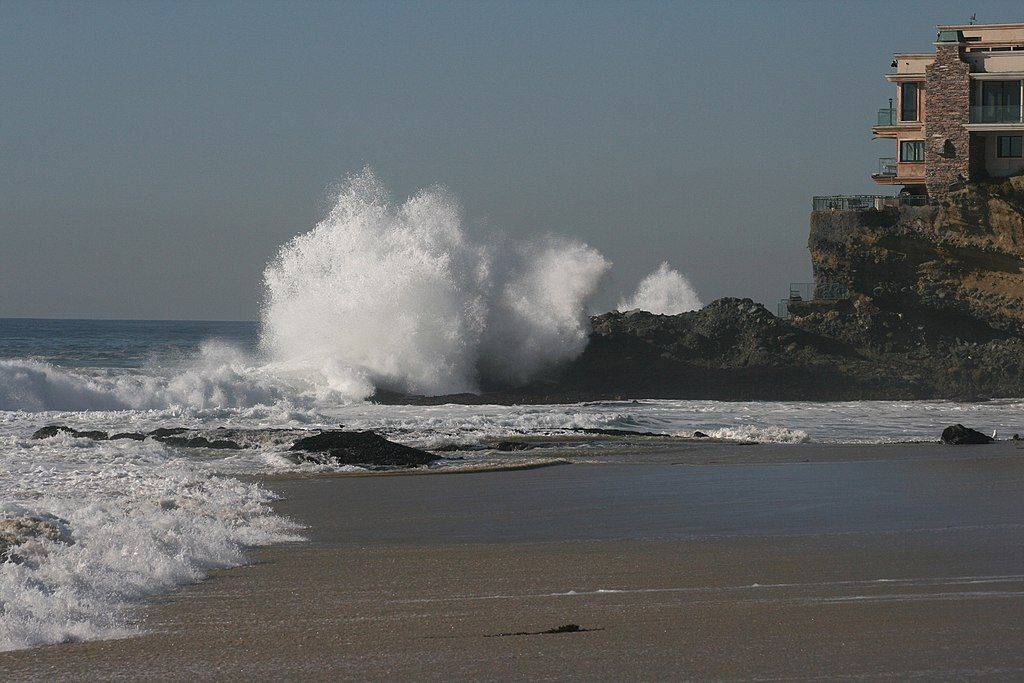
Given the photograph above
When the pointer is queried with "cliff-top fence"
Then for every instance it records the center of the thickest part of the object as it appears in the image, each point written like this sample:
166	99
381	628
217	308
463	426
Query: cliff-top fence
812	291
865	202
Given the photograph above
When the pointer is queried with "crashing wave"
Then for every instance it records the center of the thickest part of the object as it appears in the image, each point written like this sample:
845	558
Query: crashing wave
664	292
397	296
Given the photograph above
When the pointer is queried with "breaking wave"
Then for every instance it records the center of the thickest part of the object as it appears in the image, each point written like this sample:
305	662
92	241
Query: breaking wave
397	296
88	530
665	292
218	376
761	434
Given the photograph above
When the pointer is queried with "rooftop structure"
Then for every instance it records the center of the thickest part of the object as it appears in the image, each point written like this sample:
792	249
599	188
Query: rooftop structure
957	114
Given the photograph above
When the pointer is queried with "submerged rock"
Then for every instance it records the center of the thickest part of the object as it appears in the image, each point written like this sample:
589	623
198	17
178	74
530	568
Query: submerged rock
512	446
358	448
53	430
958	435
198	442
167	431
134	436
605	431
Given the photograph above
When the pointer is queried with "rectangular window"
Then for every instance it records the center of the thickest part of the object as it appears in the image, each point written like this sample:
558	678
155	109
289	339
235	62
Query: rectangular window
1000	102
912	150
1009	146
908	102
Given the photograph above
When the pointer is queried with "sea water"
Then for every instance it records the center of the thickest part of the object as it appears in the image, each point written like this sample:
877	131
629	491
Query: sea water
129	519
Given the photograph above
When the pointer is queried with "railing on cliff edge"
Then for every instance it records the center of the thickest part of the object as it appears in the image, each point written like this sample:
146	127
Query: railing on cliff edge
866	202
812	291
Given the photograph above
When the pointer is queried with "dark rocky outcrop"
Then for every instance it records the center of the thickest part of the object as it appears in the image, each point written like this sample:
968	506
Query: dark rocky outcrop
958	435
358	448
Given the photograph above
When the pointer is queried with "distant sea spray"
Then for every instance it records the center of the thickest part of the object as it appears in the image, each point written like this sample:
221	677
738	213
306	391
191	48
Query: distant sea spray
665	291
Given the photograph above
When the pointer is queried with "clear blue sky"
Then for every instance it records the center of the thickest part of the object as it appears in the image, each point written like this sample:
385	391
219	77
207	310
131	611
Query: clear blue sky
154	155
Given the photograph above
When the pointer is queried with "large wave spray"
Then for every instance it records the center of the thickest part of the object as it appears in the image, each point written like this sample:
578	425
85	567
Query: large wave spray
396	296
665	291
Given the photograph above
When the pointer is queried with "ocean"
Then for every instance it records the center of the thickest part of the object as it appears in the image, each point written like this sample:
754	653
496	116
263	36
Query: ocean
94	527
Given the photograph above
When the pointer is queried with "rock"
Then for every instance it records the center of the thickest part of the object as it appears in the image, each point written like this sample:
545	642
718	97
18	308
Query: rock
134	436
700	435
198	442
958	435
512	446
167	431
50	431
614	432
53	430
358	448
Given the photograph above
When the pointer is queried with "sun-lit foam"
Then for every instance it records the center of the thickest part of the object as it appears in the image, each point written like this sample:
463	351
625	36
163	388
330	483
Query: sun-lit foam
397	296
665	292
127	520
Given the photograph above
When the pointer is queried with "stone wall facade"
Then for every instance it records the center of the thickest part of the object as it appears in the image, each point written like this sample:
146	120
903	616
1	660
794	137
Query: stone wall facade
947	144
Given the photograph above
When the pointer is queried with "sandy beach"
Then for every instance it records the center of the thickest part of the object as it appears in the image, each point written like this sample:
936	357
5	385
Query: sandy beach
893	562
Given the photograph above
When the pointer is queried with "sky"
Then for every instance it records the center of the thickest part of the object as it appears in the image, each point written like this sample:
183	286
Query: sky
153	156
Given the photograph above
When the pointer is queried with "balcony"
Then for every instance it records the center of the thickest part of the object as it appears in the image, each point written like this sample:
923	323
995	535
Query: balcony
996	114
887	168
887	117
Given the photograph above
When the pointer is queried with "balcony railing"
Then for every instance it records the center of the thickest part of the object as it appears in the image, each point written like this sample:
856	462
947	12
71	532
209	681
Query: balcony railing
996	114
865	202
887	167
812	291
887	117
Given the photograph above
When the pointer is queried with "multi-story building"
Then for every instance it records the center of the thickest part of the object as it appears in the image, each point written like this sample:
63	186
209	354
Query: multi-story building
956	116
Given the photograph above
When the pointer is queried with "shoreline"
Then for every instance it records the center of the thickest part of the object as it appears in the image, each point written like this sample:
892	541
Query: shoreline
901	564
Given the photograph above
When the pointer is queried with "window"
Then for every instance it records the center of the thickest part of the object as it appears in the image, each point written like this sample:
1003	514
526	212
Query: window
1009	146
996	102
912	150
908	102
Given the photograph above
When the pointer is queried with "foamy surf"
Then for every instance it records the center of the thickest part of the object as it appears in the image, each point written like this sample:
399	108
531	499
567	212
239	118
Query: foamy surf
93	528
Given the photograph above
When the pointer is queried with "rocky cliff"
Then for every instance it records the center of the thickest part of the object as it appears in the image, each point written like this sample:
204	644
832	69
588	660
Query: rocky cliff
963	258
935	309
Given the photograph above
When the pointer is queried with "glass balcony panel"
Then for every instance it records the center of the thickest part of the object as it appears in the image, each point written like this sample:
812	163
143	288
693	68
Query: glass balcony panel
996	113
887	166
886	117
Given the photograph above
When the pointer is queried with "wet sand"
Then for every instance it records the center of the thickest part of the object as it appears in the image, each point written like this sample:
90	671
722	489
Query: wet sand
909	563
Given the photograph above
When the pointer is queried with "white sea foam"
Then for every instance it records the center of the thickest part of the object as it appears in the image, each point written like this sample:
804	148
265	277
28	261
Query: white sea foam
397	296
666	291
135	519
760	434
